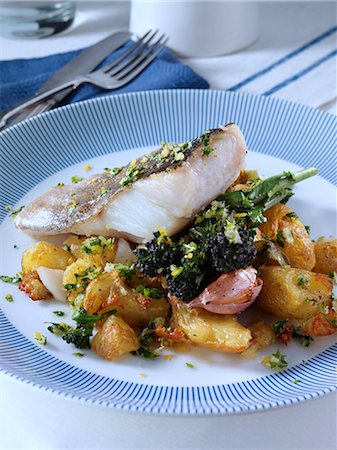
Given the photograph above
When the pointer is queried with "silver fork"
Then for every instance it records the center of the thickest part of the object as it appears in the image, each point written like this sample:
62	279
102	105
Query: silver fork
112	76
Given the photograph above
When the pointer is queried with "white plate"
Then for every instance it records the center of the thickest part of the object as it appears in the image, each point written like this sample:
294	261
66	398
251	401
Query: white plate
46	150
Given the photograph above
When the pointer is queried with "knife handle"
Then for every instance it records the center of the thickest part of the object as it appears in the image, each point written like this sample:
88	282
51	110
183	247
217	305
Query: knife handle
42	107
48	96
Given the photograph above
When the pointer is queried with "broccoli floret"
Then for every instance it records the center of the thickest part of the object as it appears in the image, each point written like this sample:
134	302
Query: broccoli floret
186	285
81	334
215	243
226	256
157	255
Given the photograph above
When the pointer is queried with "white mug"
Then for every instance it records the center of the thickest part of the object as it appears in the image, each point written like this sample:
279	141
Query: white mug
198	28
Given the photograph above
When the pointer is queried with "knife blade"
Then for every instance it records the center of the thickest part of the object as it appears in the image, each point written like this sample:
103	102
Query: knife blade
83	63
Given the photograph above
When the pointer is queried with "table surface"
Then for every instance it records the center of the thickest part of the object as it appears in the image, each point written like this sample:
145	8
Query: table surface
34	419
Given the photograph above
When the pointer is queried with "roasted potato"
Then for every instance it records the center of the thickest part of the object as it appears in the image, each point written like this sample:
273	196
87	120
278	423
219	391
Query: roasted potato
218	332
97	250
33	287
77	276
293	293
73	245
114	339
47	255
263	337
326	255
110	292
320	325
290	235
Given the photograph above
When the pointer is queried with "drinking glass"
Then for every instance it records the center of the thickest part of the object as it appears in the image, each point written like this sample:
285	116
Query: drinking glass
35	19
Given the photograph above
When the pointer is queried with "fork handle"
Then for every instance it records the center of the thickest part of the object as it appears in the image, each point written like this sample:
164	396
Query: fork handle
37	99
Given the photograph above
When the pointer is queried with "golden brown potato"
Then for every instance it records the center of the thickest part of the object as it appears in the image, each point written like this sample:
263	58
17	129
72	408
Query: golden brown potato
326	255
45	254
263	337
33	287
73	244
110	292
97	250
218	332
320	325
114	339
293	293
77	276
290	235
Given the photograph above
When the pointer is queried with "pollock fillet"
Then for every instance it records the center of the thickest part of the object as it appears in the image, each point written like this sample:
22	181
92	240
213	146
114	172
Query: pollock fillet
158	190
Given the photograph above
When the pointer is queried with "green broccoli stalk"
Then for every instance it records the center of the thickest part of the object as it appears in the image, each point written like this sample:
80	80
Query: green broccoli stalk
81	334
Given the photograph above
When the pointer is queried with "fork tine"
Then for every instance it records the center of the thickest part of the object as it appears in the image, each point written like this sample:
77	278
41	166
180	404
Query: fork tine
116	61
133	56
140	58
131	74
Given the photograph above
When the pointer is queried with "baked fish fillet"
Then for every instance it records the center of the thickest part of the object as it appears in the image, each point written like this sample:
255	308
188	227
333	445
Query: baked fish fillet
165	188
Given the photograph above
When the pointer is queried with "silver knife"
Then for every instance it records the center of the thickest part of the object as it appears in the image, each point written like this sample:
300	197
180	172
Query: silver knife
83	63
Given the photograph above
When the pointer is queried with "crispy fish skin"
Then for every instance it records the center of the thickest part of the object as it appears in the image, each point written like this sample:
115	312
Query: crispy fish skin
165	188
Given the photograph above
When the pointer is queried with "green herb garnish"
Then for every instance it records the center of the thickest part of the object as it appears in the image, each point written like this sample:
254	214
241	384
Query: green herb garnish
149	292
15	213
14	280
275	361
191	366
302	280
76	179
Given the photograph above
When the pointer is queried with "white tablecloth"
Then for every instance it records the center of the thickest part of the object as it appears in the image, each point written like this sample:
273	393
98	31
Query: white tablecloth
294	57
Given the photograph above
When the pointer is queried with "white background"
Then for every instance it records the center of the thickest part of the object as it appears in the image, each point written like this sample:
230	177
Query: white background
34	419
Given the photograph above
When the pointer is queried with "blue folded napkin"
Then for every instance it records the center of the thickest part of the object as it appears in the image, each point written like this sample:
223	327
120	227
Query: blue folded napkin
21	78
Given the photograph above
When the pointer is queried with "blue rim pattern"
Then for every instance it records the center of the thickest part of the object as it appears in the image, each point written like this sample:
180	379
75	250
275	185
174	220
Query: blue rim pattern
117	123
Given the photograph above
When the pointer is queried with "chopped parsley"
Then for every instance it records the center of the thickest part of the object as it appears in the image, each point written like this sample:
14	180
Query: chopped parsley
84	278
14	280
15	213
8	207
101	242
312	301
87	167
9	297
124	270
280	239
279	326
275	361
207	150
78	354
147	340
304	339
66	247
307	227
104	190
76	179
131	174
113	172
191	366
296	381
40	338
149	292
71	207
302	280
292	215
58	313
60	184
